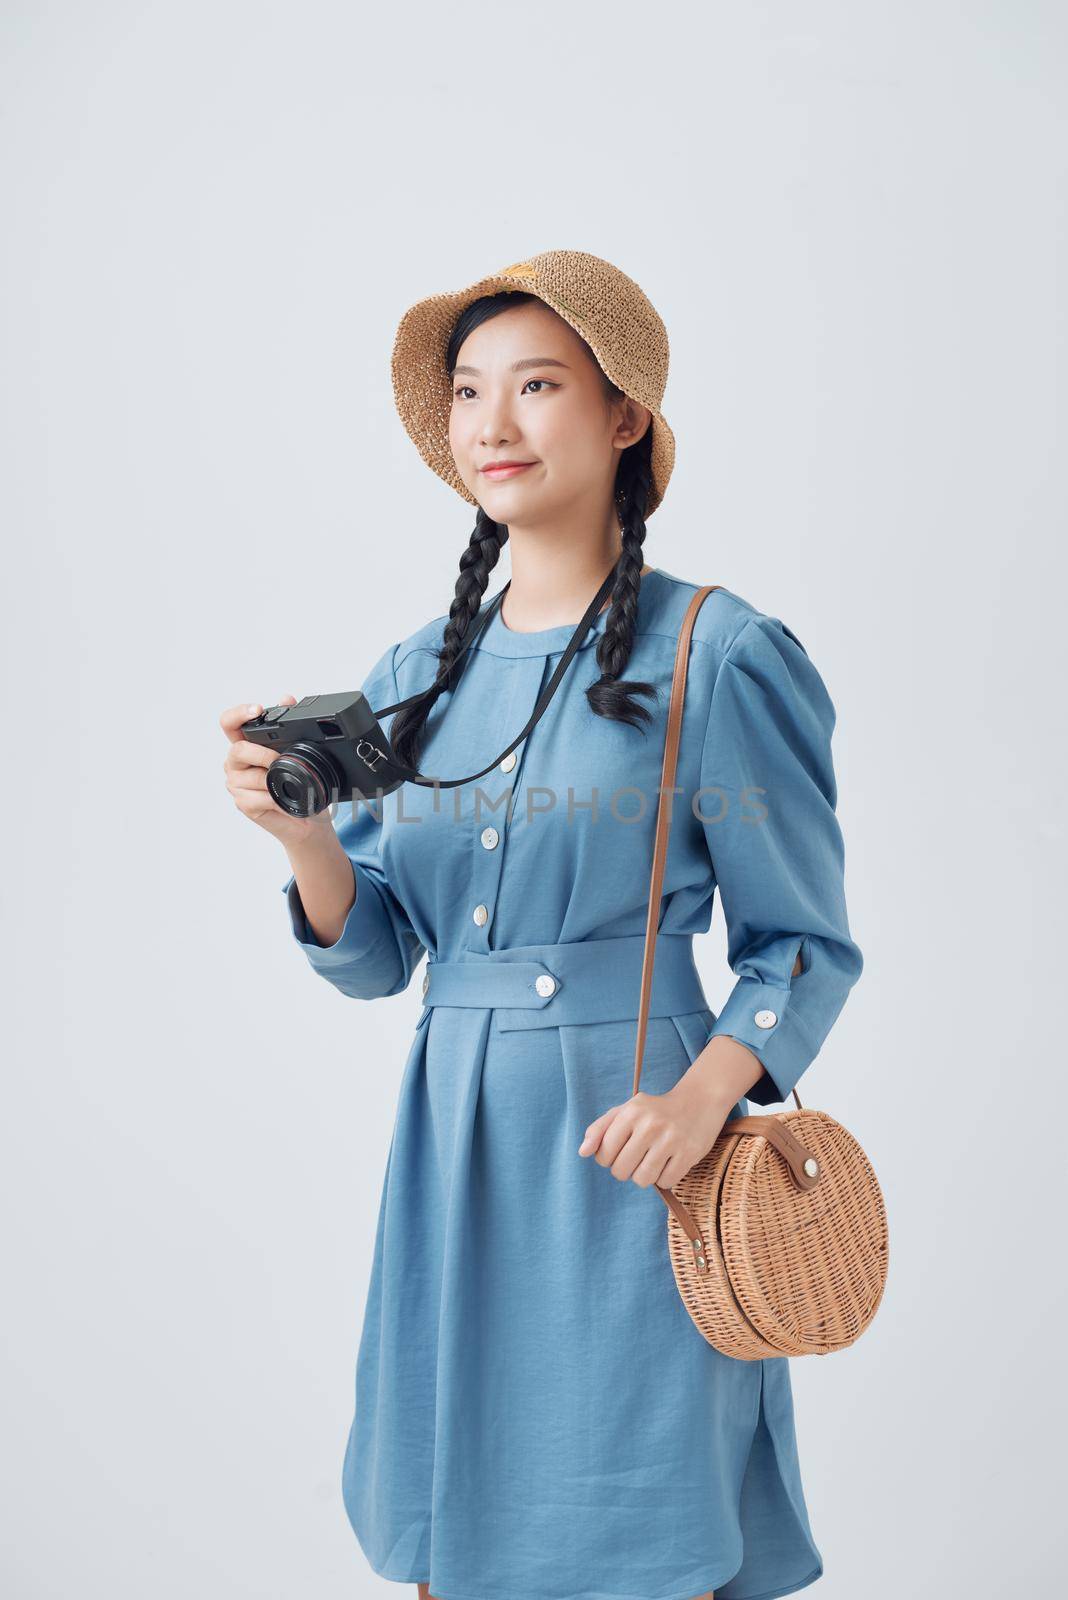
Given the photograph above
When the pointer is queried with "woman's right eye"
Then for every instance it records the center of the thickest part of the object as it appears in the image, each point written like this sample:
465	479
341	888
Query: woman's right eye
461	389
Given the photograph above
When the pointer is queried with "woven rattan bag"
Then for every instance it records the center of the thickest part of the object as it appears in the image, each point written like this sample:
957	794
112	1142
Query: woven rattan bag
778	1236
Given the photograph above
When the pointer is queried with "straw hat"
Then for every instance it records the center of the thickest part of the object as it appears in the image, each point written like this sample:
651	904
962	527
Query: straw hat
606	309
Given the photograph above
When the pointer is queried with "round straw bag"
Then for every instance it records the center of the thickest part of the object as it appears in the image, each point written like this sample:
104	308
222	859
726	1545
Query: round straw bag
778	1235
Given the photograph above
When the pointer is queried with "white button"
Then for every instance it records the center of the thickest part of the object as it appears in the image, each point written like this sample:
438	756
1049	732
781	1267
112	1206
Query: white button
765	1019
545	984
426	982
481	915
508	763
490	838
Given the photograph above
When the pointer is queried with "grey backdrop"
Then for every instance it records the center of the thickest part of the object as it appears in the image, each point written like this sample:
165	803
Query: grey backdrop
852	218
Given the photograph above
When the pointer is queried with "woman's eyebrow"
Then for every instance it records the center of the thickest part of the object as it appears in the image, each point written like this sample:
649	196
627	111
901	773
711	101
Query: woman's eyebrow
517	366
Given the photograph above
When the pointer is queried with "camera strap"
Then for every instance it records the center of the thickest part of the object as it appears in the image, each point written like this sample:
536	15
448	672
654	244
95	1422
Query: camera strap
409	774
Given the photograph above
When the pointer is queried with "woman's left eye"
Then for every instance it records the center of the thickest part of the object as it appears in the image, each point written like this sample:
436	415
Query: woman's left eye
544	381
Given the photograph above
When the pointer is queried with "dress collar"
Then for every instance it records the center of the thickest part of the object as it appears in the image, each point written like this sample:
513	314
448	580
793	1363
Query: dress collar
498	640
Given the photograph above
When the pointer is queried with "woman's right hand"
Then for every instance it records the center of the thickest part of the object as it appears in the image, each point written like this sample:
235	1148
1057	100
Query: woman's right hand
246	778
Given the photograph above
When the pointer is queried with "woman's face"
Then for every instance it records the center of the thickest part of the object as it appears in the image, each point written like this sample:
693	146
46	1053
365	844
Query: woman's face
526	389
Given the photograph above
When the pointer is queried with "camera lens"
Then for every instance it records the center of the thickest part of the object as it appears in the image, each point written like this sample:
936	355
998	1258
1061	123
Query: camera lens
304	781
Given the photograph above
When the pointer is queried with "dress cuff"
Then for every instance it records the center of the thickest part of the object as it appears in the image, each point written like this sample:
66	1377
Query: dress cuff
362	926
759	1015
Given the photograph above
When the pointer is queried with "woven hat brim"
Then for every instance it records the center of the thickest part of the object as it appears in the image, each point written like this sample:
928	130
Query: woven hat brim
423	393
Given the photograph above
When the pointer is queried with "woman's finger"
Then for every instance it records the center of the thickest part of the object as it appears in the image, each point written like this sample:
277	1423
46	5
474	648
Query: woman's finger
234	716
596	1130
243	753
255	803
246	778
650	1169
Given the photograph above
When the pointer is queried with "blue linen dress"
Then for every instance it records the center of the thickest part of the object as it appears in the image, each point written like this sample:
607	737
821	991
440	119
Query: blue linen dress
536	1415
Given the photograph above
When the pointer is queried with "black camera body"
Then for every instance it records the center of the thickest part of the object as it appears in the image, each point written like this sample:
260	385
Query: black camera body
330	748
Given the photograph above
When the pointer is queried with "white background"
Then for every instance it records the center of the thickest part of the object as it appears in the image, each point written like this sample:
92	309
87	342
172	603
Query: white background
852	218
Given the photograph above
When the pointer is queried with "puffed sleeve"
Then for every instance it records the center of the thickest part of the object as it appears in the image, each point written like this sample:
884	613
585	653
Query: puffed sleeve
768	808
377	950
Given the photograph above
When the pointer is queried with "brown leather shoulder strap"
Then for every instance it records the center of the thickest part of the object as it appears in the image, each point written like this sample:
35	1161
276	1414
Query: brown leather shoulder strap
663	814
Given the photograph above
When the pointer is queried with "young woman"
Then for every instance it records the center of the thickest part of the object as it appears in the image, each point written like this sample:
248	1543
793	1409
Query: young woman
536	1414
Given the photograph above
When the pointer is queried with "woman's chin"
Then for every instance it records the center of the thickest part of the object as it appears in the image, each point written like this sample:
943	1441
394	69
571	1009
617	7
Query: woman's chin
495	497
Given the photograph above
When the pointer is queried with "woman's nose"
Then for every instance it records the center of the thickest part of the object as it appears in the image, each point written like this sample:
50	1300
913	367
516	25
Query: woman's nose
497	426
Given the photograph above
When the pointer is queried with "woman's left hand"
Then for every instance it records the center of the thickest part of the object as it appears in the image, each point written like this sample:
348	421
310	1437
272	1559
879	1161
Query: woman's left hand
657	1138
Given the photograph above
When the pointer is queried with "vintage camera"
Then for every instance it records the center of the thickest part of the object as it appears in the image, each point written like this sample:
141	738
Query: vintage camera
330	748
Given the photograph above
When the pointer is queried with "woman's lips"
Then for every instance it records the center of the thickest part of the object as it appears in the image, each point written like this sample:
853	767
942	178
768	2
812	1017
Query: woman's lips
506	472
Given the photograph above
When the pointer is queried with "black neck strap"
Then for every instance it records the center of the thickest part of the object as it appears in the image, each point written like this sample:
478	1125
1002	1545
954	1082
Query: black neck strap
395	768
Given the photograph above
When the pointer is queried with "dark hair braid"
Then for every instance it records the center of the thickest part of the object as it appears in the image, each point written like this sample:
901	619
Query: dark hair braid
477	562
609	697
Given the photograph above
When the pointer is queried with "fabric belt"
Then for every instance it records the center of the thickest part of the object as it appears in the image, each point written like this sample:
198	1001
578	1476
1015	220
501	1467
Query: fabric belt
552	985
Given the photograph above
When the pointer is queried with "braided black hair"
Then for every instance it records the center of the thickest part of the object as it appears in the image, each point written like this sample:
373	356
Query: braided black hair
609	696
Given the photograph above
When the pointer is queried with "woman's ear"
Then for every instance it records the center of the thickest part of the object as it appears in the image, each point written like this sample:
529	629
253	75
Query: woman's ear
635	421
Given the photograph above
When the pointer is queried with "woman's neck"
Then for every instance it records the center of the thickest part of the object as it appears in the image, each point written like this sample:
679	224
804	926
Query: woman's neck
552	594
